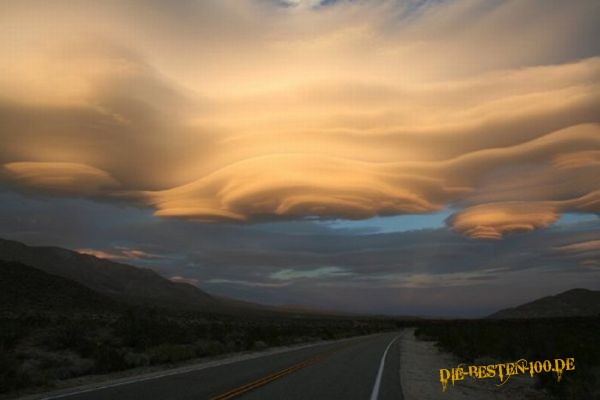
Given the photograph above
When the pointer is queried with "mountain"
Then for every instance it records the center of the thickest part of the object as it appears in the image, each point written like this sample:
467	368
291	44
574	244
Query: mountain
572	303
24	288
133	285
118	281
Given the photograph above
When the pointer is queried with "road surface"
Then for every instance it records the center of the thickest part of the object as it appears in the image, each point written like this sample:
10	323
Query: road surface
354	369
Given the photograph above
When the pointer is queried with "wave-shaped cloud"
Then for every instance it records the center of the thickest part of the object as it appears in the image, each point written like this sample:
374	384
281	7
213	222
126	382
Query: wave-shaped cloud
492	221
247	110
61	177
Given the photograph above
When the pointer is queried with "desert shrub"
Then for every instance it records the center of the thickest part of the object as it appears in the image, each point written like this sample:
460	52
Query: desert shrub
218	330
170	353
109	359
133	359
65	336
11	331
205	347
11	376
259	345
142	329
42	366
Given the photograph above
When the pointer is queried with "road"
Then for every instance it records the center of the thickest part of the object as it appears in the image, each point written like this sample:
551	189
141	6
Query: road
354	369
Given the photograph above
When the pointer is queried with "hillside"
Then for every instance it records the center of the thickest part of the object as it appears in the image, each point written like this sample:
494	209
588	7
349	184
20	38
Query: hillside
74	315
27	289
118	281
572	303
140	286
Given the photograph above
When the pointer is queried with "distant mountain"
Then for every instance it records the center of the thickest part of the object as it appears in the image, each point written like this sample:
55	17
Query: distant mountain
572	303
133	285
24	288
118	281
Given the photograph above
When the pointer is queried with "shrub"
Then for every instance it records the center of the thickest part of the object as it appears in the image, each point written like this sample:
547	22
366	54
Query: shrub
11	376
109	359
205	348
169	353
259	345
134	360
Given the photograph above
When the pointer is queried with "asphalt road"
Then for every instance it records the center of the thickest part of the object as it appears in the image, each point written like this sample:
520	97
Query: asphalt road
348	370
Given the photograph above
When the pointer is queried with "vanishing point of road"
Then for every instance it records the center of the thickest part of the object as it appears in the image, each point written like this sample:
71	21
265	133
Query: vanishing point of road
362	368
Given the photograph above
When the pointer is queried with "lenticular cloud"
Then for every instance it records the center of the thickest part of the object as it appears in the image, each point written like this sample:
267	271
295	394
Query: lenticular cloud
352	110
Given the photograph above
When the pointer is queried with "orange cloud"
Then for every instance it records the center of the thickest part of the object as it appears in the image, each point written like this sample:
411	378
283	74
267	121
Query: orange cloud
580	159
492	221
100	254
119	253
348	111
60	177
181	279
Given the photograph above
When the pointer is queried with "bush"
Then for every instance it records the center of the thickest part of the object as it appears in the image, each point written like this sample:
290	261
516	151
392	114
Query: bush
109	359
259	345
11	332
205	348
170	353
11	376
134	360
68	336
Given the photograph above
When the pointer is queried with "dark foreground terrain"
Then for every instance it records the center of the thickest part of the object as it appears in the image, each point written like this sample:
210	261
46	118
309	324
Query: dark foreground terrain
53	329
65	315
347	369
42	349
531	339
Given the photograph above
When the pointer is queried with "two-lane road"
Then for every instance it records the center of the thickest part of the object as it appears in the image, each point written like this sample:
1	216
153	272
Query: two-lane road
353	369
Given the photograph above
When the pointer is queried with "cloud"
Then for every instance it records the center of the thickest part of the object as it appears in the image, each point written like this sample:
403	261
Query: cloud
353	110
99	254
585	252
60	177
492	221
181	279
289	274
301	3
119	253
252	284
587	246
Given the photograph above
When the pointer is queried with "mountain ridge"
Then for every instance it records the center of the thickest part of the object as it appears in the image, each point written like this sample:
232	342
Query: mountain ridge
28	289
135	285
122	282
578	302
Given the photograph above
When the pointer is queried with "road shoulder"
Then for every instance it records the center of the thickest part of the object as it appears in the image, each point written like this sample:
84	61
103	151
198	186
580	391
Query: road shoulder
419	375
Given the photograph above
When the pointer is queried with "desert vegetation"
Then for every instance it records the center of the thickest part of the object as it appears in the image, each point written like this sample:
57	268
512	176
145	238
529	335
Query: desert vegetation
43	349
531	339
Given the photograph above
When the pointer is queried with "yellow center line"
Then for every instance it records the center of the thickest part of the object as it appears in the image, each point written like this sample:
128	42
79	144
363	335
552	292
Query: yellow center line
276	375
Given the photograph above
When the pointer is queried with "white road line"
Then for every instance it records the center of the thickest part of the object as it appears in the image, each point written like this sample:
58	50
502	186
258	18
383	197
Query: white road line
375	392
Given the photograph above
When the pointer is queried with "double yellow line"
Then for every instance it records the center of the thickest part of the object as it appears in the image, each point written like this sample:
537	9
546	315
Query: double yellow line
276	375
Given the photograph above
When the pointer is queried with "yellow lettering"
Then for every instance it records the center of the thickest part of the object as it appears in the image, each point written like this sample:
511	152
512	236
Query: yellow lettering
443	379
482	373
559	366
473	371
570	364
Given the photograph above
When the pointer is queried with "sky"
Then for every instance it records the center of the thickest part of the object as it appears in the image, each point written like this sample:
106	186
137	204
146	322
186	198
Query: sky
424	157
